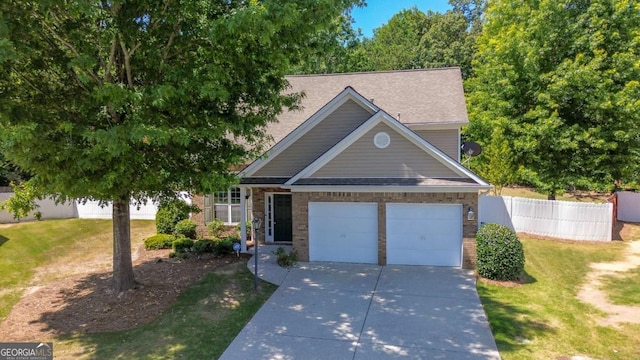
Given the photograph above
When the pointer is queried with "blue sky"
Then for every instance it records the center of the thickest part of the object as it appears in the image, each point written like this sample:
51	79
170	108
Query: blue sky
378	12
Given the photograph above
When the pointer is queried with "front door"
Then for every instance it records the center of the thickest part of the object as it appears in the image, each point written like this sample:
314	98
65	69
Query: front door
282	224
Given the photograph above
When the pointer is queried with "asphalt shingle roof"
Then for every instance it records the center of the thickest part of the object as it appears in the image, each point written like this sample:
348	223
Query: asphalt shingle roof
429	96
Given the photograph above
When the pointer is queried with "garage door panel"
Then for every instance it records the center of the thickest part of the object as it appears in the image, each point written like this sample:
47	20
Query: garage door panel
424	234
343	232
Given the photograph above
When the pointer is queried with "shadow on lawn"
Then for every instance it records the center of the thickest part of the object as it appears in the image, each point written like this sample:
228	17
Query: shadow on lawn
513	327
177	309
3	240
91	306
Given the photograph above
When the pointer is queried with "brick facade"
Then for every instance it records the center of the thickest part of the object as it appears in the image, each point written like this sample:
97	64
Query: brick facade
300	210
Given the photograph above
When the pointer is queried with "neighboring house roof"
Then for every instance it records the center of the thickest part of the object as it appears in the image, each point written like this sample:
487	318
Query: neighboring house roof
426	96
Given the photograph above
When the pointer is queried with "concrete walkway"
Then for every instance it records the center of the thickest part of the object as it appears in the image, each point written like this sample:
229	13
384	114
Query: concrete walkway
359	311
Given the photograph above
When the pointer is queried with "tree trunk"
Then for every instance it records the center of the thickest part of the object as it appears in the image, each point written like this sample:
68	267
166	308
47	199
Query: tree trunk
123	278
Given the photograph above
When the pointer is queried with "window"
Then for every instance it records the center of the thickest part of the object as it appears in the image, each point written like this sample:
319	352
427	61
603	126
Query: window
226	206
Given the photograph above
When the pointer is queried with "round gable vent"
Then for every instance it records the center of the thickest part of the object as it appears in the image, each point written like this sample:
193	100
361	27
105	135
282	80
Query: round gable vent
381	140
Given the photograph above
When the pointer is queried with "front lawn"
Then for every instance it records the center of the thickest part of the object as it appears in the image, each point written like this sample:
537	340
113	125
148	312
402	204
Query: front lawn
52	244
202	323
543	318
624	289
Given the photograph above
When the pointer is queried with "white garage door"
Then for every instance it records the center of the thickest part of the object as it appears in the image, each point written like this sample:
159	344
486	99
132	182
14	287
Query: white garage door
424	234
343	232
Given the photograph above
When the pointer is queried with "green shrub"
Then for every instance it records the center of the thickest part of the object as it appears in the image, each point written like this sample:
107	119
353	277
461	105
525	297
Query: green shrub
286	259
204	246
216	228
170	213
159	241
186	228
224	246
239	227
499	253
182	245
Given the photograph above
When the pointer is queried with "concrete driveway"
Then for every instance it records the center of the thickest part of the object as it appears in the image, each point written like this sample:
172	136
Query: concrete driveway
354	311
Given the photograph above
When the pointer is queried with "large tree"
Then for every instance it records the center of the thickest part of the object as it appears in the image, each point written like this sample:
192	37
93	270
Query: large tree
413	39
334	49
116	100
560	77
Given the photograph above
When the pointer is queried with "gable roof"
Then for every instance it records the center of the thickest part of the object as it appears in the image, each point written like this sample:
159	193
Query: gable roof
466	179
345	95
425	96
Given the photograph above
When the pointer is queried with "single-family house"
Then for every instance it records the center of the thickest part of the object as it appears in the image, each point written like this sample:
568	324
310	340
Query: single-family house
368	171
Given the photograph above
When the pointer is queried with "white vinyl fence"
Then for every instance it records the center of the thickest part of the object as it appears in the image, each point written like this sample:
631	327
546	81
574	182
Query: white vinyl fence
628	206
88	210
92	210
48	209
558	219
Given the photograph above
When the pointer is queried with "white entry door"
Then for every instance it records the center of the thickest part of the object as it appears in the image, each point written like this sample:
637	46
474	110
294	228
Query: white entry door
424	234
343	232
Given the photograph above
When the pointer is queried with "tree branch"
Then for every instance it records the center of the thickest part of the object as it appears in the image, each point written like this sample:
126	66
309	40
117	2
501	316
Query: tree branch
68	45
127	63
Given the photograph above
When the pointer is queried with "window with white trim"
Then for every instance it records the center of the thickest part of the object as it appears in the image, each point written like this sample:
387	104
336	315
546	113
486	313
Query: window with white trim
226	206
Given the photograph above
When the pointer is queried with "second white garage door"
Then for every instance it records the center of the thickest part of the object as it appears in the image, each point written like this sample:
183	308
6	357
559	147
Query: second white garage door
343	232
424	234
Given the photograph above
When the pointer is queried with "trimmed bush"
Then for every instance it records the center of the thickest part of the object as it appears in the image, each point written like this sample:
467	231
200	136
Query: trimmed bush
216	228
170	213
499	253
204	246
182	245
186	228
159	241
286	259
224	246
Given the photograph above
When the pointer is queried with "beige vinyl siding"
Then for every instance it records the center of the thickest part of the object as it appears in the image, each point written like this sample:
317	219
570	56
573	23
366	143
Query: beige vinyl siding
445	140
401	159
316	141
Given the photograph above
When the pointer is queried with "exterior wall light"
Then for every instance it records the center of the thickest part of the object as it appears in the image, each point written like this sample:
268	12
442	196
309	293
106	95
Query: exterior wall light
470	214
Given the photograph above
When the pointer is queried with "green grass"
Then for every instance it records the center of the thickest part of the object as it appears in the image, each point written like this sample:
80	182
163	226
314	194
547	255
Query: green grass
623	289
543	319
203	322
28	246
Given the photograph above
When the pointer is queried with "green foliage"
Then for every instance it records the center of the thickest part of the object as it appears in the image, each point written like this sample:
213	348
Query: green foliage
23	202
216	227
159	241
224	246
204	246
248	226
500	255
498	167
396	45
182	245
186	228
562	76
10	173
135	100
286	259
169	214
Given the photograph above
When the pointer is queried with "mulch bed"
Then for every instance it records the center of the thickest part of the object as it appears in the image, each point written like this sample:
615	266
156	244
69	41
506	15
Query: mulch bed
86	304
